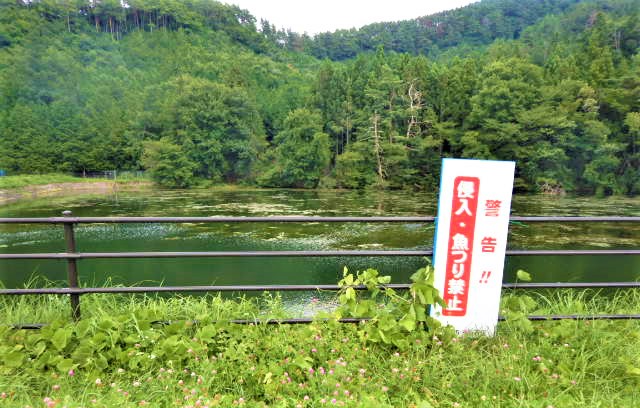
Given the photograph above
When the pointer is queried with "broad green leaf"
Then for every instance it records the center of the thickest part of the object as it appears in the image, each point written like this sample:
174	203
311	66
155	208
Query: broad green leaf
83	353
41	361
131	339
83	327
169	345
348	280
13	359
60	339
363	309
428	297
100	340
523	276
408	322
417	275
350	294
208	332
384	279
39	348
101	362
65	365
303	362
106	324
386	322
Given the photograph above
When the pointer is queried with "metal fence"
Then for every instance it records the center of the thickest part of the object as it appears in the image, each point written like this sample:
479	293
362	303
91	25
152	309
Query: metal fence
75	291
111	174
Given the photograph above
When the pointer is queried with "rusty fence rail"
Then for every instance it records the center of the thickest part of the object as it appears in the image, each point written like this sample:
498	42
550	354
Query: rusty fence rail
74	290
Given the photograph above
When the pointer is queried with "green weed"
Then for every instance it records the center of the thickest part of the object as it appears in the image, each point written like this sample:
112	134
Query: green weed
183	351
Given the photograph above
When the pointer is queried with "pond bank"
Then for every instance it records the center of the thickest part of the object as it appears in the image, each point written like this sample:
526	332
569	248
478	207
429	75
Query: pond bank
11	195
118	357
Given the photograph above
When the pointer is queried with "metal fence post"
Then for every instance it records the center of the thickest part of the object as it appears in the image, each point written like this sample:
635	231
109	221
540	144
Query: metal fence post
72	268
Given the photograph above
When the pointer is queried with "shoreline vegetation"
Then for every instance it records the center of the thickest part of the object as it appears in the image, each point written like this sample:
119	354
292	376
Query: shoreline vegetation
15	188
32	186
28	180
119	355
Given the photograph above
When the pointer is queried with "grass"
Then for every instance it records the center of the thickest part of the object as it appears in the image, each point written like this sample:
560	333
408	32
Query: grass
25	180
40	179
118	356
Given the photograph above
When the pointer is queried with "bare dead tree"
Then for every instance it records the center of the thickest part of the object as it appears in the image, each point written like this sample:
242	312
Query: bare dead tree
377	148
415	106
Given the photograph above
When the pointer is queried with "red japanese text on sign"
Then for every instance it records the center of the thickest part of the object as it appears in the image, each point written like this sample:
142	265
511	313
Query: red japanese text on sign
492	208
460	246
473	221
488	244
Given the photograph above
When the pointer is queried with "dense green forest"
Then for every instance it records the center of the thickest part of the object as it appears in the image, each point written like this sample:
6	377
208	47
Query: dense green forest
475	25
199	90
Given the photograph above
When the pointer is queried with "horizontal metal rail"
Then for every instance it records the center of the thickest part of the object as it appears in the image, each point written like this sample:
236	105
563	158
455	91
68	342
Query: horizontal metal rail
278	219
213	219
243	254
75	291
571	285
500	318
352	320
564	252
581	317
212	254
286	288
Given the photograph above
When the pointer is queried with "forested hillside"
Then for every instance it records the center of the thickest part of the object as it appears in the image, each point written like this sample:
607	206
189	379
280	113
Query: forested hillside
193	90
475	25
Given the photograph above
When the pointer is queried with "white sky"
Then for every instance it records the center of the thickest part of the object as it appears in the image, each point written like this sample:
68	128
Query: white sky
316	16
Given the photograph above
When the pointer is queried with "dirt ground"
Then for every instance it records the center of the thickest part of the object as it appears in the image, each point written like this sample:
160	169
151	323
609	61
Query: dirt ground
57	189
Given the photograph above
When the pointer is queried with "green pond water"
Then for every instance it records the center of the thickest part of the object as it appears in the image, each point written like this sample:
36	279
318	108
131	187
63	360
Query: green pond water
16	238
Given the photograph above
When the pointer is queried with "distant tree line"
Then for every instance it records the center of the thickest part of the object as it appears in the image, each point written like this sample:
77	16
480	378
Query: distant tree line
194	90
475	25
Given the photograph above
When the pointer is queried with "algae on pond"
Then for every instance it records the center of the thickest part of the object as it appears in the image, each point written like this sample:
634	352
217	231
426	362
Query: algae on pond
298	236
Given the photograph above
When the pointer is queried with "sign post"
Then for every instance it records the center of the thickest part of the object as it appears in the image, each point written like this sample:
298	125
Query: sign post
470	241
